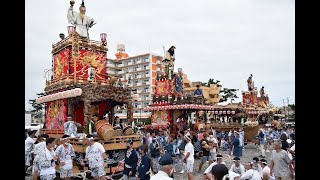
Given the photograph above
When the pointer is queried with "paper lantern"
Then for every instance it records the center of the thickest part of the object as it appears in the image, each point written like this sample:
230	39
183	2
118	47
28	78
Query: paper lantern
228	112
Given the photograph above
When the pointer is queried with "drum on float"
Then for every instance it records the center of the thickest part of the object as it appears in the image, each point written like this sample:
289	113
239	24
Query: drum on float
117	131
104	129
127	131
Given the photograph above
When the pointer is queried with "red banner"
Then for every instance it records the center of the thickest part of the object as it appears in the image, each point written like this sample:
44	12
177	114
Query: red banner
160	117
56	112
60	63
88	58
163	87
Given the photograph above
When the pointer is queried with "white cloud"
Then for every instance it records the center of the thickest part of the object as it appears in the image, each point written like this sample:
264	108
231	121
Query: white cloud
224	40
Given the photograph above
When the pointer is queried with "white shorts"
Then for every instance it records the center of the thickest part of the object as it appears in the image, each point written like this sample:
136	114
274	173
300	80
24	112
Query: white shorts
98	171
188	167
213	156
64	173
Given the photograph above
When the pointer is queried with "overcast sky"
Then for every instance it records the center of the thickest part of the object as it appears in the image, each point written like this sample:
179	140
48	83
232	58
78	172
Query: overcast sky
225	40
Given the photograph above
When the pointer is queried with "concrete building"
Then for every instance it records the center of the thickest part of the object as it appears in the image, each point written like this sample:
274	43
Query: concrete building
137	72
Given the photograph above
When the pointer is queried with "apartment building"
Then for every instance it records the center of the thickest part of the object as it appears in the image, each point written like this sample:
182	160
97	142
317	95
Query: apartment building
137	72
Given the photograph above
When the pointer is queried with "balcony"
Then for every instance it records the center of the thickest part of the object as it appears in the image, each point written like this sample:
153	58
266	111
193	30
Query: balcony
147	75
139	84
158	62
137	77
158	69
120	65
111	65
130	63
138	69
147	60
110	72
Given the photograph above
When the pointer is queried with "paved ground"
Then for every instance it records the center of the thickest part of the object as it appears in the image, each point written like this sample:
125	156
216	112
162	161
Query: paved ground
249	152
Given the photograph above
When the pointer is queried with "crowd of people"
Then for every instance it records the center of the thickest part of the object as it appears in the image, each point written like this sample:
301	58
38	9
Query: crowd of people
163	151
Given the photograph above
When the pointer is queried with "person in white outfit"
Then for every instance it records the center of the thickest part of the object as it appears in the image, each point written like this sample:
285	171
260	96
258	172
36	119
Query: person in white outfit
237	167
250	173
188	157
207	173
70	127
80	20
28	148
265	169
65	152
166	168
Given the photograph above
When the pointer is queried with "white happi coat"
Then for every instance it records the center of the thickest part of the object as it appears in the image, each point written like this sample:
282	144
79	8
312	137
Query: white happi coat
64	154
40	147
70	127
28	148
82	26
43	163
94	155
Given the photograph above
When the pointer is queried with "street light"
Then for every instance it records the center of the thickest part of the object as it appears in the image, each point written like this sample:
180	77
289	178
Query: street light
140	113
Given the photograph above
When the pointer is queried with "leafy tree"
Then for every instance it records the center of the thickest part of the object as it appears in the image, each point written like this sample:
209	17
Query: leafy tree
292	106
212	81
228	94
36	107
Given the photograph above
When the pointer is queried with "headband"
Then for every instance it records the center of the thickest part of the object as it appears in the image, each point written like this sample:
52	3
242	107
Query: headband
186	136
90	138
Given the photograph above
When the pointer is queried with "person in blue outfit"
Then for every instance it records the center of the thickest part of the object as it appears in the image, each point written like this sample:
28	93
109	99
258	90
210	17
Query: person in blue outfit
262	141
198	91
237	149
131	160
144	165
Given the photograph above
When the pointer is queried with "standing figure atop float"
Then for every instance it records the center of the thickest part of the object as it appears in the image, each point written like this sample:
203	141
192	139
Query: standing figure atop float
80	20
262	92
168	60
250	83
177	84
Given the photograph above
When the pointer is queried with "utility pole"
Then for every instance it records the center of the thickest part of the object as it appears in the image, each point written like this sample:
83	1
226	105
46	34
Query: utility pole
288	105
284	108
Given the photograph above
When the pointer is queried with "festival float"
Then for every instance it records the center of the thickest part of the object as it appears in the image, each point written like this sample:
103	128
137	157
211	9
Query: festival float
174	109
78	84
169	101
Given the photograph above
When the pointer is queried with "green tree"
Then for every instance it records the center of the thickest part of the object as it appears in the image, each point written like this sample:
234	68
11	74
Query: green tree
228	94
36	107
212	81
293	108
